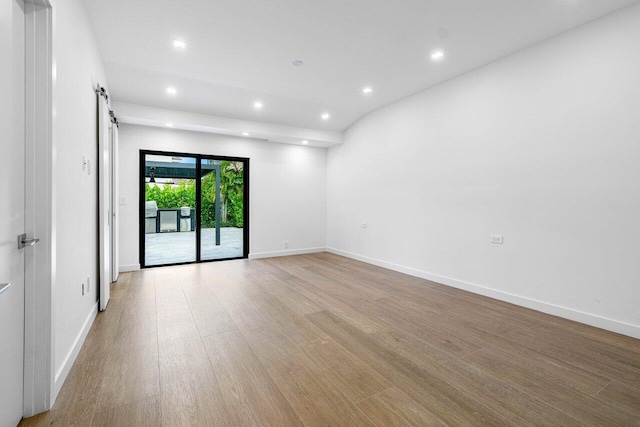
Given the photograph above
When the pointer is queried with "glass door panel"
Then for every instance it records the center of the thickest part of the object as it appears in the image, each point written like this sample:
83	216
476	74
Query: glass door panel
222	209
170	209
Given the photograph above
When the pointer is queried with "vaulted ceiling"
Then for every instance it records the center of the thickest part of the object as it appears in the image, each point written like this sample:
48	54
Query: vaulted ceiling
238	52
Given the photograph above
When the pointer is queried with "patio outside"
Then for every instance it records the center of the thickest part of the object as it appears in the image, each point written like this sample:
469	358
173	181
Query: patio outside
170	248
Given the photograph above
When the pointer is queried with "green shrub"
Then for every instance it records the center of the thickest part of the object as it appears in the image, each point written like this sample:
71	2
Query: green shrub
169	197
184	194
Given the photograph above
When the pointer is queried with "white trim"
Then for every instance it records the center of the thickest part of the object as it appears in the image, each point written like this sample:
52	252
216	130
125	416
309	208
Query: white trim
286	253
38	393
157	117
545	307
130	267
62	373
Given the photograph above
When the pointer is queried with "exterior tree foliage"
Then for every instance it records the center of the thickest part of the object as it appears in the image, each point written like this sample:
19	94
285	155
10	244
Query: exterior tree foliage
183	194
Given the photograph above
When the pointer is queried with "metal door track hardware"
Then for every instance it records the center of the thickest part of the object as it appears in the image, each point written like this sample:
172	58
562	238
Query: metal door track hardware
23	241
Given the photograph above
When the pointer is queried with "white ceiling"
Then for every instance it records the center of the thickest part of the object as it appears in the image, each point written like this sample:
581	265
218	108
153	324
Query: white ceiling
240	51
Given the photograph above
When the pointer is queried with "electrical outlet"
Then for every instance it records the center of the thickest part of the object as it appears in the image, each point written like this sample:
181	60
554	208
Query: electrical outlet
286	244
365	225
83	289
497	239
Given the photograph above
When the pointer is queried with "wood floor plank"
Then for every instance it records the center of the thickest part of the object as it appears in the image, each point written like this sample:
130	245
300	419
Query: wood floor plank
243	312
389	279
320	339
212	319
484	328
621	396
493	330
102	333
270	344
131	374
190	392
312	388
177	335
136	327
394	408
326	285
348	311
488	389
615	362
590	333
363	287
312	396
78	397
198	293
290	297
350	375
170	298
296	327
584	408
448	403
611	364
244	380
142	413
437	330
547	368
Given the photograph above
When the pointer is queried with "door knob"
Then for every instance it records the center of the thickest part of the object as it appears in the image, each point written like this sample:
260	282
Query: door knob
4	287
23	241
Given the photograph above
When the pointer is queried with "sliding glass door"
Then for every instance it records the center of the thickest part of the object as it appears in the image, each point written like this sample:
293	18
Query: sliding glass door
222	209
193	208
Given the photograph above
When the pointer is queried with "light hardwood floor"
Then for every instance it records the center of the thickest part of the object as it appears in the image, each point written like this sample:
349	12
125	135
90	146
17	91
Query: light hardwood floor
324	340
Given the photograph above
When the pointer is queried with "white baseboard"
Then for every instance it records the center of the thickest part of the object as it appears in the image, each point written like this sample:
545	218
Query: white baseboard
286	253
542	306
61	374
131	267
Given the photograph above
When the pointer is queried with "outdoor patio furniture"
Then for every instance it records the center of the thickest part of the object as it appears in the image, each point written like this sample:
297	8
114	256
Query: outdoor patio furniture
185	218
168	220
150	217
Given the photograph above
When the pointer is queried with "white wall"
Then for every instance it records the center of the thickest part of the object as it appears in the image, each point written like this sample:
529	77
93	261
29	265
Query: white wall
288	188
542	147
78	69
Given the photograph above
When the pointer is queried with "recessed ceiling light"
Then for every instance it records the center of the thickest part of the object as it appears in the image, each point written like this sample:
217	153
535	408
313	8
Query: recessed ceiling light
367	90
437	55
298	63
305	142
257	105
179	44
325	116
171	91
245	133
169	125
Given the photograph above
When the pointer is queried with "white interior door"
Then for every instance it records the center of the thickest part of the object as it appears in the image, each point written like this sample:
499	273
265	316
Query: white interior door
115	206
12	209
104	200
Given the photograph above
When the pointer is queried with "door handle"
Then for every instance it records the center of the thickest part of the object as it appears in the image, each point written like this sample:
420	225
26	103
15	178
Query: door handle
24	242
4	287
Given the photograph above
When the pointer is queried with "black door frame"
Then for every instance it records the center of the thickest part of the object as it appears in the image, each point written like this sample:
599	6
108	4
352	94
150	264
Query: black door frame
199	158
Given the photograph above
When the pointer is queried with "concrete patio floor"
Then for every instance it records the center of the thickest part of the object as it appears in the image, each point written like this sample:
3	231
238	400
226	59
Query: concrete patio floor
170	248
